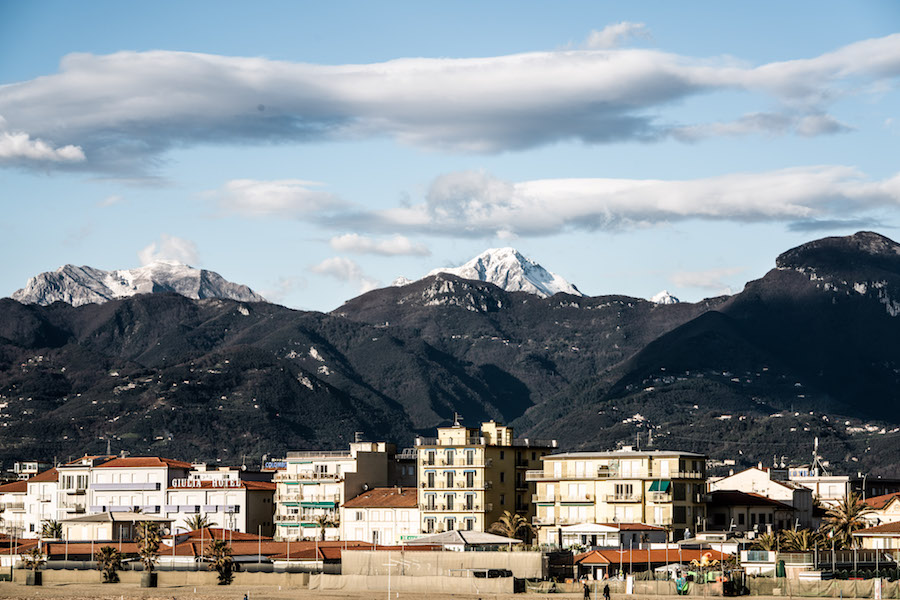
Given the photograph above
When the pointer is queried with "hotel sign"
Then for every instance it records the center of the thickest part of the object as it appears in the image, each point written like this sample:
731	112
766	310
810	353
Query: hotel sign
197	483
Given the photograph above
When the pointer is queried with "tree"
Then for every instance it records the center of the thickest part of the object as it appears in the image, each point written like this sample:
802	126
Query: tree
51	530
219	554
801	540
844	518
34	559
148	538
513	525
324	521
109	561
766	541
198	521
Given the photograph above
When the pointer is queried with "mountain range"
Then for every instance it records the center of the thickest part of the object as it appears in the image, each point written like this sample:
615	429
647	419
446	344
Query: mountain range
806	351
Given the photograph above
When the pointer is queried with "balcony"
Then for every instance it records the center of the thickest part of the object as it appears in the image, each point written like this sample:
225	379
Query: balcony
183	508
287	518
126	487
44	498
687	475
469	441
622	498
533	443
16	506
580	498
458	485
542	499
223	508
320	454
659	497
74	491
536	476
543	521
71	506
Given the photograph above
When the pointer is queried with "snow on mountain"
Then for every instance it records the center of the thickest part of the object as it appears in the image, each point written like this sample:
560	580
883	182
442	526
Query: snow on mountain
401	281
508	269
87	285
664	297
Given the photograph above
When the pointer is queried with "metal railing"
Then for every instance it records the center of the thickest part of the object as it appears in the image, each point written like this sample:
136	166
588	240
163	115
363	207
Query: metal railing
320	454
308	476
622	498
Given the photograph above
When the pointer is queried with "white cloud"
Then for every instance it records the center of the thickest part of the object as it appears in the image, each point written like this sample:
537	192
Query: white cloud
344	269
476	204
21	147
169	248
771	124
122	110
395	246
283	197
613	35
720	280
110	200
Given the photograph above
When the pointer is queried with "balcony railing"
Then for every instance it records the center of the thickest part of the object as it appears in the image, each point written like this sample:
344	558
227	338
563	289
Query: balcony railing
621	498
126	487
309	476
469	441
543	520
542	498
659	497
320	454
687	475
577	498
12	506
225	508
183	508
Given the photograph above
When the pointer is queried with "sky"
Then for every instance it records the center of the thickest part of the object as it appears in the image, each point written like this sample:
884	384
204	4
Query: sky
314	151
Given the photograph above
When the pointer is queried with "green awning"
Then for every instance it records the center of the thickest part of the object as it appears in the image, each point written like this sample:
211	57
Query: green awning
660	486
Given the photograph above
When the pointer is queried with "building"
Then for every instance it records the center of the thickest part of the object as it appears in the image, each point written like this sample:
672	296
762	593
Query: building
12	508
116	526
729	510
885	509
469	476
312	486
128	484
600	564
233	498
655	487
880	537
26	469
828	489
73	488
608	535
387	516
41	502
773	484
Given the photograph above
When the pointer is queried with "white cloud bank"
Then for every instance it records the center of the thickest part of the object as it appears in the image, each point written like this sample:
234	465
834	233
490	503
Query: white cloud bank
280	197
169	248
344	269
21	148
614	35
473	203
396	246
122	110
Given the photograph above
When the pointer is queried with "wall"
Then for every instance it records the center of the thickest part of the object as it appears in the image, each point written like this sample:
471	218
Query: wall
524	565
419	585
172	578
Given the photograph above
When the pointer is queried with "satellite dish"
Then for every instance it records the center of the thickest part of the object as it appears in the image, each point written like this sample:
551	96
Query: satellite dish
365	487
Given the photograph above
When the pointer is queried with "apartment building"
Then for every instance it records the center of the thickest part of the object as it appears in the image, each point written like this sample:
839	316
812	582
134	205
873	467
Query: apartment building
26	469
656	487
311	486
468	476
12	508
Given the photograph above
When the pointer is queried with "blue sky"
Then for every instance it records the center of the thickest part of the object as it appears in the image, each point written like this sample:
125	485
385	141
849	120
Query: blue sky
314	150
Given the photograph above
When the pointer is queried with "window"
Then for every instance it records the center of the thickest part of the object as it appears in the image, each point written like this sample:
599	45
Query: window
451	457
429	525
533	456
429	457
501	454
470	524
451	523
679	491
448	501
470	457
430	501
470	501
741	519
624	491
470	479
502	499
502	476
429	479
449	475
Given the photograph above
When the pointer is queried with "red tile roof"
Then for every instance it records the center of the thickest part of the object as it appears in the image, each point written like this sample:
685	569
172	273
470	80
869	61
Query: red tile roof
879	502
48	475
634	526
736	498
145	461
640	555
219	533
878	529
387	497
78	461
16	487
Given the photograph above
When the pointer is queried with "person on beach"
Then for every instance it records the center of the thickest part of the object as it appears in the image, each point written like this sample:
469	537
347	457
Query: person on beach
606	592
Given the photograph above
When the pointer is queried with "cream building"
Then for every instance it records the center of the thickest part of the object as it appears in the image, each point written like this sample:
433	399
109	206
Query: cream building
388	516
654	487
127	483
766	482
313	485
469	476
12	508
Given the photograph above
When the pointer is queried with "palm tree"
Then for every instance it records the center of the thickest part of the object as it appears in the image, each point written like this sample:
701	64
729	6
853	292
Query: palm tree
219	554
33	559
846	517
51	530
766	541
109	561
148	538
323	521
513	525
198	521
801	540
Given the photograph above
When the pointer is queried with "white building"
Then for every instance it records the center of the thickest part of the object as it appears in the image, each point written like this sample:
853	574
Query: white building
225	497
765	482
12	508
41	502
134	482
388	516
313	485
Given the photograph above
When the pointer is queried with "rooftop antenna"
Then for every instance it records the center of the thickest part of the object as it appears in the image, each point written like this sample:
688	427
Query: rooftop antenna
108	450
456	419
817	464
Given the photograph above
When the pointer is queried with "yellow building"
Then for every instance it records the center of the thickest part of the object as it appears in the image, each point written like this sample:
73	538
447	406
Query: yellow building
654	487
468	476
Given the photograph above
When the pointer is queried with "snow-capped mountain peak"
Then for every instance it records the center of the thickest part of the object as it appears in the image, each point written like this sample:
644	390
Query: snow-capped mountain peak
510	270
86	285
664	297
